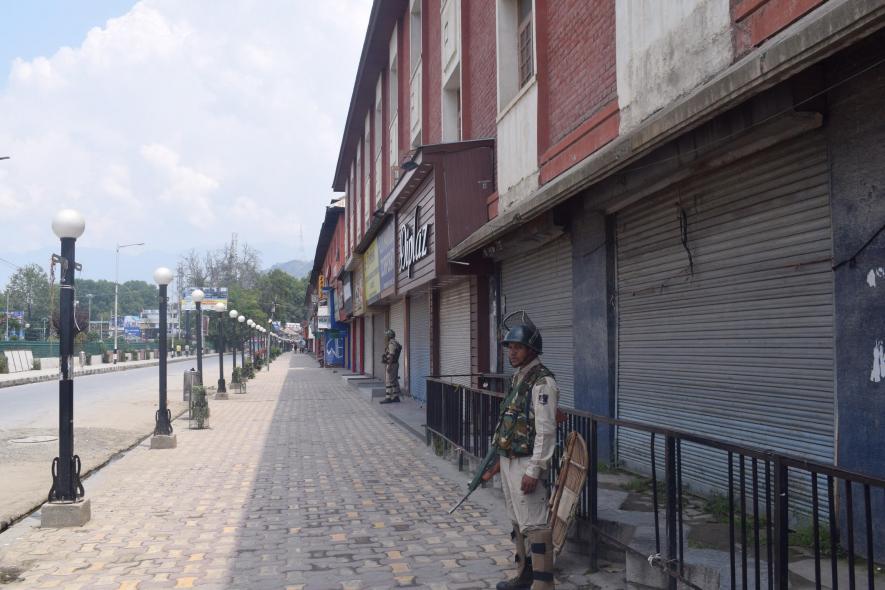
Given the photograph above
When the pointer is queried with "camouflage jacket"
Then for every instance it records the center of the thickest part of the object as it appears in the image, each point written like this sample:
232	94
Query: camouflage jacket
527	420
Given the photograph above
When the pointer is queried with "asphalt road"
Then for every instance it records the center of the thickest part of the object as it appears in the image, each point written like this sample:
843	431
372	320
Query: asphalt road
112	412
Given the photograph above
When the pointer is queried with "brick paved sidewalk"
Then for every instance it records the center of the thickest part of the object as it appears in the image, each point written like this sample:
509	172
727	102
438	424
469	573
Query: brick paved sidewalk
298	484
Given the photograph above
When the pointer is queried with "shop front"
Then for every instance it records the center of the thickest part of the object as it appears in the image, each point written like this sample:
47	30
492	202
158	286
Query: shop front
379	280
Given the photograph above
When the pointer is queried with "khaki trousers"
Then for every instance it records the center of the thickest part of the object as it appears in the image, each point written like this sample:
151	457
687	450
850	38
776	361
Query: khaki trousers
529	511
391	380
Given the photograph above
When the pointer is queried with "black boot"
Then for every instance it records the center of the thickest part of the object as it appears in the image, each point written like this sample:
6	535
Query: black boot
523	579
389	400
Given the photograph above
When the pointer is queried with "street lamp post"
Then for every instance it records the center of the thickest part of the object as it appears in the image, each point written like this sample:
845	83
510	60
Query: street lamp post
242	319
117	288
221	392
251	324
163	437
233	314
66	506
198	296
269	332
89	321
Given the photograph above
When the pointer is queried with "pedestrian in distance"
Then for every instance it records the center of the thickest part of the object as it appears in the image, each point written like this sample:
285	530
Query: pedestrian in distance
525	439
391	374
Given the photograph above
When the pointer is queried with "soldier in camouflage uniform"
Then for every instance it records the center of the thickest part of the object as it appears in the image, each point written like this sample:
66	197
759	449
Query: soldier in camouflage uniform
526	438
391	374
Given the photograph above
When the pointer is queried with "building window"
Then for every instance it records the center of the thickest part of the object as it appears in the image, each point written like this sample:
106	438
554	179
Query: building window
524	43
516	49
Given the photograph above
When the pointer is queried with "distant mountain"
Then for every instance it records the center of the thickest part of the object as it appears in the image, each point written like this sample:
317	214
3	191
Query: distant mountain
297	268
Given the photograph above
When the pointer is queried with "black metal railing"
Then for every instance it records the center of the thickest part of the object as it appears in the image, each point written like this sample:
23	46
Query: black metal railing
766	495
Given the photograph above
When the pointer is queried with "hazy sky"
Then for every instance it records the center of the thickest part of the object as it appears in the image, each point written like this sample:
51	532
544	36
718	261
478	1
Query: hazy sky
172	122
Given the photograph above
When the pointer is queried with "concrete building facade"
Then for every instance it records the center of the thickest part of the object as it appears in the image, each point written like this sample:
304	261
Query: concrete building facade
686	196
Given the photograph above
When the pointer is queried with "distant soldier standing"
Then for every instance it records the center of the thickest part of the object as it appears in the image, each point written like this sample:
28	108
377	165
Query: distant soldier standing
526	438
391	375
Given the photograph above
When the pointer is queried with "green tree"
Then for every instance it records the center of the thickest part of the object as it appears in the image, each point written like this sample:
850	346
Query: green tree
281	292
28	291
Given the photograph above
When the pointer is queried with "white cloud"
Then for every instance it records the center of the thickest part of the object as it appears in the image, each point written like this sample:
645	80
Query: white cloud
182	122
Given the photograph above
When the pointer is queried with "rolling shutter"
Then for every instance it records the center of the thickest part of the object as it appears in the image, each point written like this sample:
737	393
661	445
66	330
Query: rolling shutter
379	326
398	325
741	347
368	367
454	331
419	345
541	283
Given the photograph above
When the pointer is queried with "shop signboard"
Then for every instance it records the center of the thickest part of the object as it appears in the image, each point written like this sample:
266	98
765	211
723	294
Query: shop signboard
359	298
211	296
387	257
371	271
347	293
324	320
413	244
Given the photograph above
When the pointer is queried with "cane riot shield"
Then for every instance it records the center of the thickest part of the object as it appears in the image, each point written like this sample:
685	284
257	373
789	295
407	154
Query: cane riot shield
563	504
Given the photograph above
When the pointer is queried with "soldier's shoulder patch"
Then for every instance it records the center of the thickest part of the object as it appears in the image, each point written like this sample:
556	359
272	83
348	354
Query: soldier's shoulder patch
543	399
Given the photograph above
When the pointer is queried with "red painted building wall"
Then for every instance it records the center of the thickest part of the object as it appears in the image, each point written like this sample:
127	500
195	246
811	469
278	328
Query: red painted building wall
431	64
577	81
479	93
758	20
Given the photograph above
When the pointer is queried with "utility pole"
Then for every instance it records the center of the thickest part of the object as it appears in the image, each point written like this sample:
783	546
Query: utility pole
89	322
117	288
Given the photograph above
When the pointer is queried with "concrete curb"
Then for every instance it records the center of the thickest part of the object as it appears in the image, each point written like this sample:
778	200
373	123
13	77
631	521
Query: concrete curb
24	380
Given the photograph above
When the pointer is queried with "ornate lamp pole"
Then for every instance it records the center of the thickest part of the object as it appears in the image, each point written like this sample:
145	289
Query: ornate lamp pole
251	325
269	332
233	314
197	296
163	437
242	319
221	392
66	506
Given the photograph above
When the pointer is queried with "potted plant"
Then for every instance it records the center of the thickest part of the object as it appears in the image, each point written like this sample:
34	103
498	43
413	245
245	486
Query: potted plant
199	408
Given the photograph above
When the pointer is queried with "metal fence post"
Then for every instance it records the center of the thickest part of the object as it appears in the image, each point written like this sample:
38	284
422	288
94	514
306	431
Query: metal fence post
672	515
781	526
593	484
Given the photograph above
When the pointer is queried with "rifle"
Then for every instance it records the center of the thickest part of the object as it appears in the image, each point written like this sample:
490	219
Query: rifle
486	464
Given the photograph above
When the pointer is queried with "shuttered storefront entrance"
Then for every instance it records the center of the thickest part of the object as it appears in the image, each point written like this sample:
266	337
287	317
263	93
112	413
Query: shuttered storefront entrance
741	347
419	345
454	331
541	283
367	345
379	326
398	325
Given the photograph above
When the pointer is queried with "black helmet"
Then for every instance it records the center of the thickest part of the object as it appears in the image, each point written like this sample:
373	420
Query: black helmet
523	331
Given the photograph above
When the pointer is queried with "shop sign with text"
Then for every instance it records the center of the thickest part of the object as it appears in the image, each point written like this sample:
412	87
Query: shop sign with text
412	242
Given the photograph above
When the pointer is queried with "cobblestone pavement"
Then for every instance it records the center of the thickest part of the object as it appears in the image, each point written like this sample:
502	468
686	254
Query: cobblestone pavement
298	484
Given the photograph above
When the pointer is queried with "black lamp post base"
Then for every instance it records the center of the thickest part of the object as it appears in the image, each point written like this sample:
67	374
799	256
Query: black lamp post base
56	515
164	441
221	386
163	422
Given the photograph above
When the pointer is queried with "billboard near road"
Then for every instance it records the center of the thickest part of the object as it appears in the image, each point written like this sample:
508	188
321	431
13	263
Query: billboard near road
211	296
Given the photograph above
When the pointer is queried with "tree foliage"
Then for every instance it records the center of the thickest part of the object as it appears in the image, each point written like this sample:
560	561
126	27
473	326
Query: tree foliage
28	291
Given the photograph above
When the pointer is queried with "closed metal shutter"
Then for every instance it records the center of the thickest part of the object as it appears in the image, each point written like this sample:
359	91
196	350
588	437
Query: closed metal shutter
398	325
368	367
541	283
454	332
419	345
742	348
379	326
